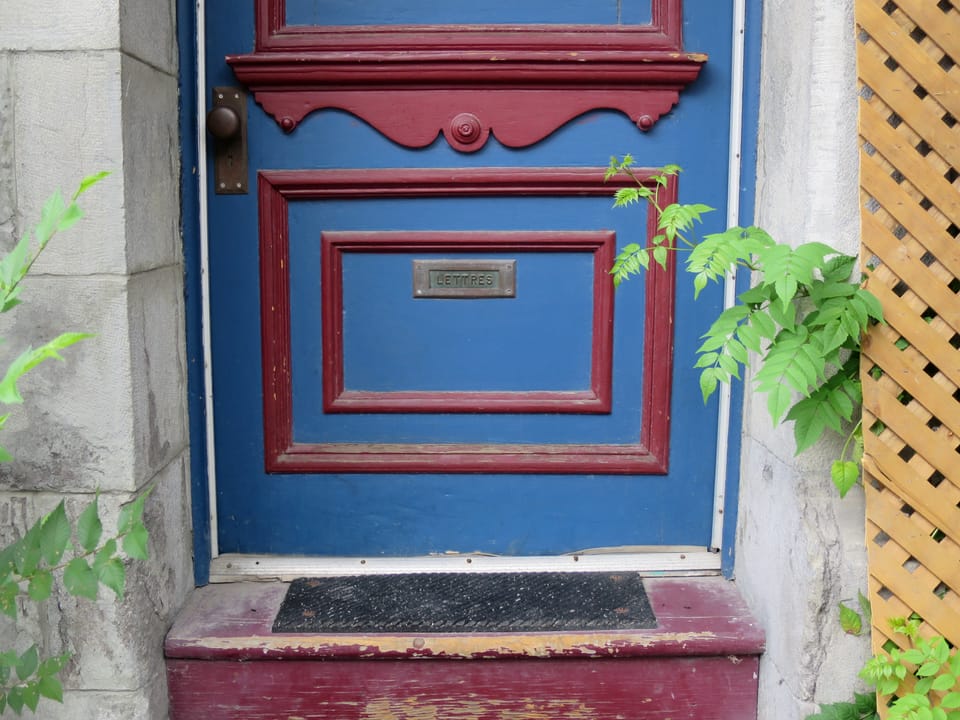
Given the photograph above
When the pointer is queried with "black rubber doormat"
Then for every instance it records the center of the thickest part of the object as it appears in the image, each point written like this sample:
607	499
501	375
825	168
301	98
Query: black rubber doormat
461	602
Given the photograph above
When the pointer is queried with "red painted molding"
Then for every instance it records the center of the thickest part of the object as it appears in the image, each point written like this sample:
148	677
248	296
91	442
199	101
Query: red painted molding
520	82
649	455
598	398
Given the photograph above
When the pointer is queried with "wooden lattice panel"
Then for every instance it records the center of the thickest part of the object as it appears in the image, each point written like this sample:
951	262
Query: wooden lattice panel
909	163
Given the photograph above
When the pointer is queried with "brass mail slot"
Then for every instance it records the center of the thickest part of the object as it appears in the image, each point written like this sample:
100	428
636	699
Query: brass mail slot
464	278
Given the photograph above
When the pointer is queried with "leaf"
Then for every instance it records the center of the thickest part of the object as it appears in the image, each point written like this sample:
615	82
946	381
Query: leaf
944	682
811	417
89	527
913	656
873	306
52	210
865	608
850	620
844	475
51	688
14	264
89	182
27	663
113	575
31	696
135	542
41	584
838	268
793	362
749	337
631	195
928	669
866	702
8	598
104	554
69	217
132	512
660	256
836	711
708	383
764	325
53	665
29	359
27	556
80	580
15	699
951	700
941	651
54	535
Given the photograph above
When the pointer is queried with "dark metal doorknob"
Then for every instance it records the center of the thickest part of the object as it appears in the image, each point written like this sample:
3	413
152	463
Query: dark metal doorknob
223	123
227	122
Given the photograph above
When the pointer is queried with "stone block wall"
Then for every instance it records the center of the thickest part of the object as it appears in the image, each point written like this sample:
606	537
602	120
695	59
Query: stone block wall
86	86
800	550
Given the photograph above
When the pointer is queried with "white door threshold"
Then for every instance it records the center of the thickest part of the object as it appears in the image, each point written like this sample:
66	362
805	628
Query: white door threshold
661	562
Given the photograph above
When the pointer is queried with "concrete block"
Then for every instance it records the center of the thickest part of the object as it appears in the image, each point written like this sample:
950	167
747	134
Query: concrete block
75	429
8	190
800	552
151	166
146	703
117	645
68	110
148	32
158	368
56	25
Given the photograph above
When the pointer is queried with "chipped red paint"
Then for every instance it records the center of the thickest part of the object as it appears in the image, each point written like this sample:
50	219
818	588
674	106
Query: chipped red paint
701	662
598	398
284	454
521	82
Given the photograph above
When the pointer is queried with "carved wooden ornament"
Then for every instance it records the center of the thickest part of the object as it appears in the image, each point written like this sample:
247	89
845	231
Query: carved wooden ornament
520	82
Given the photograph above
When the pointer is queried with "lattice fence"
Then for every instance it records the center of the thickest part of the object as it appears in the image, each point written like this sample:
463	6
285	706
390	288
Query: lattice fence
910	157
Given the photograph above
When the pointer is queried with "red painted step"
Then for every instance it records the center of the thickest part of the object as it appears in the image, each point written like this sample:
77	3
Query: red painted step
701	662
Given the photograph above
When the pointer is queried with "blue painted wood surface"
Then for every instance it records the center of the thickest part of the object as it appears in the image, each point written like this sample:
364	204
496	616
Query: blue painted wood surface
421	12
372	514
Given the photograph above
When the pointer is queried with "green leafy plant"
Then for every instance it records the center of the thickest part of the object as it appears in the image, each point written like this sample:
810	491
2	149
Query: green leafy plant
851	620
922	679
55	546
803	318
863	707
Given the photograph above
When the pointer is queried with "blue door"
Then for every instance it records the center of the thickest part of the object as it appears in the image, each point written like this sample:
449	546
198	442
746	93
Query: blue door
416	345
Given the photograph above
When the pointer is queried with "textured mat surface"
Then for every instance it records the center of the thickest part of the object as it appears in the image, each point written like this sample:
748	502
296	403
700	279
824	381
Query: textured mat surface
460	602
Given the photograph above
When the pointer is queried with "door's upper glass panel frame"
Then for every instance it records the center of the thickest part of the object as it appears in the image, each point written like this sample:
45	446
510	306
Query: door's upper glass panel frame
346	13
661	32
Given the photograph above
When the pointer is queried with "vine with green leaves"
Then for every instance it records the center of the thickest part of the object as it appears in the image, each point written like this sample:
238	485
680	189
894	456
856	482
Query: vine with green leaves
55	545
803	318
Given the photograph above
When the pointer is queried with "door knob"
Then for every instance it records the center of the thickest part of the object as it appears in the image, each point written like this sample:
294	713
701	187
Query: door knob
227	122
223	123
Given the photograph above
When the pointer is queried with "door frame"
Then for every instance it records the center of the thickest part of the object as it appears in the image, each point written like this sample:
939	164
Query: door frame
211	566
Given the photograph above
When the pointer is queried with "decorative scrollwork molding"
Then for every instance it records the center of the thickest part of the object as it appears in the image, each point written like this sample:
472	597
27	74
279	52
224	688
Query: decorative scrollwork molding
520	83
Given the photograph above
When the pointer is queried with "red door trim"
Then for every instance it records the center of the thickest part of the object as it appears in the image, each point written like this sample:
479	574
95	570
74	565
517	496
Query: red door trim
596	399
283	454
520	82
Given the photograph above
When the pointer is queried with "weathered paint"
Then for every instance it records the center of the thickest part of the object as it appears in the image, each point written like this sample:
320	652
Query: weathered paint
224	662
695	616
686	688
648	454
409	83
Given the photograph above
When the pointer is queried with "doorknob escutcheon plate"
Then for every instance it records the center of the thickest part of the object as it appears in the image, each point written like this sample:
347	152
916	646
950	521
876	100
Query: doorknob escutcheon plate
227	123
